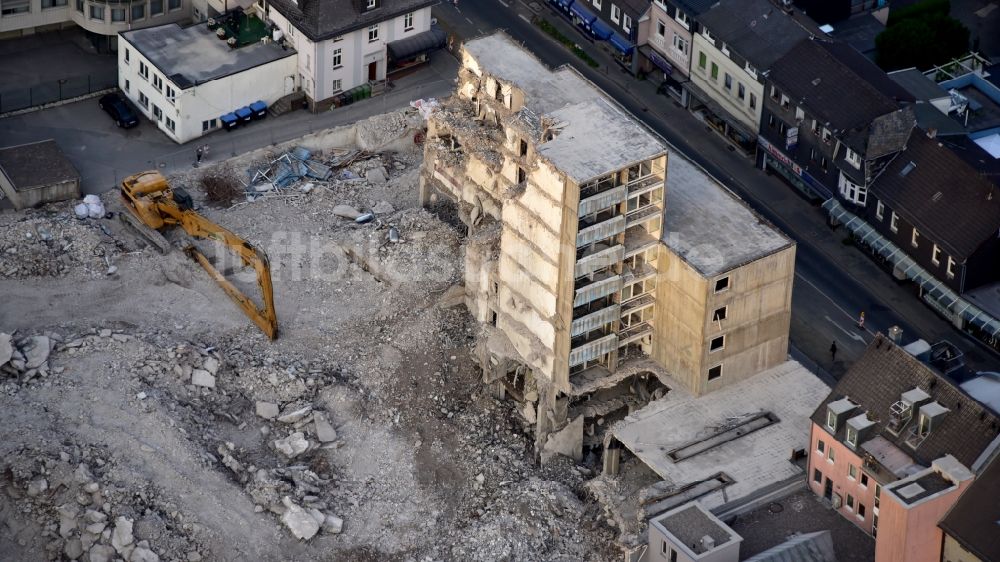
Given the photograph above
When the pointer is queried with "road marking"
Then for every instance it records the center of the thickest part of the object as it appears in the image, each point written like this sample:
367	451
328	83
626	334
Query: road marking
525	18
505	5
833	302
470	21
851	335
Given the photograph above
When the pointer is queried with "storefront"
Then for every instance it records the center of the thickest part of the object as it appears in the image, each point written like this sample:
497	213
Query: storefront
773	158
623	49
659	69
716	117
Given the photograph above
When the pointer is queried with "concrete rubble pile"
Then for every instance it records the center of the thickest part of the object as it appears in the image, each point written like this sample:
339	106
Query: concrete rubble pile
53	242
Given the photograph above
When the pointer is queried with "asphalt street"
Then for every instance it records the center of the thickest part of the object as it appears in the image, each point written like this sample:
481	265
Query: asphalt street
834	282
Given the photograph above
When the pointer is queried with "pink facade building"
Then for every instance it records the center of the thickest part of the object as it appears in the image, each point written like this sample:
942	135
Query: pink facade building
892	448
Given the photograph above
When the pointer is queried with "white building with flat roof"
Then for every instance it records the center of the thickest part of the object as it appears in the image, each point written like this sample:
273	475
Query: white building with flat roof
185	79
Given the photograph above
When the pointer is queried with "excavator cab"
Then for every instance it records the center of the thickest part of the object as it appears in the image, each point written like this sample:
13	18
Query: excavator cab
183	199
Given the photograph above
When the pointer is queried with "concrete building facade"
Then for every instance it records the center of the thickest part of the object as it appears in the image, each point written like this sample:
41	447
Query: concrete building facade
101	17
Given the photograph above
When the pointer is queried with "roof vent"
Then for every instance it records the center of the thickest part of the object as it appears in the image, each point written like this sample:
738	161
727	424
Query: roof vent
908	168
707	542
816	81
937	196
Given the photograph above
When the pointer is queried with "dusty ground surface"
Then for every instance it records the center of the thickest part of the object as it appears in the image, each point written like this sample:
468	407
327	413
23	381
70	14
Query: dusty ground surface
145	418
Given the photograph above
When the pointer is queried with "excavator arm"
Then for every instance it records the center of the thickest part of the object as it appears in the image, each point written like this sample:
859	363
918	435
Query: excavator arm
149	197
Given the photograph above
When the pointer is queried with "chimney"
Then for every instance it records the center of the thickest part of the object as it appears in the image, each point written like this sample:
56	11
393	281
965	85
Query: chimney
931	132
895	334
708	543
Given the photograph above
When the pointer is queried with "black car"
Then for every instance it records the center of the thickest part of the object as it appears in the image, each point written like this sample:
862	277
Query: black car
119	110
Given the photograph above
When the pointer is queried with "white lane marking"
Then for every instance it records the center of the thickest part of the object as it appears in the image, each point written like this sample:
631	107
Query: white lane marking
851	335
833	302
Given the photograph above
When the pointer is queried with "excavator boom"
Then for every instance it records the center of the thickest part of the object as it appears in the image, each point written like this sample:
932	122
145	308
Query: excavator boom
149	197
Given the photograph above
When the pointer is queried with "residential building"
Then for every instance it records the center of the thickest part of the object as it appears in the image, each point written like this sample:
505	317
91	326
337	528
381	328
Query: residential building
563	192
343	44
36	173
893	446
970	527
737	43
185	78
665	41
690	533
831	121
614	21
102	19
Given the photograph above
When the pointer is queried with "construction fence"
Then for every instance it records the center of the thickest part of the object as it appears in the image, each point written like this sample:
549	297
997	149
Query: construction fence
15	99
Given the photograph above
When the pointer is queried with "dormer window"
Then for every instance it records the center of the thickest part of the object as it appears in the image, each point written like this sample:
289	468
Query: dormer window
371	4
831	420
925	424
852	436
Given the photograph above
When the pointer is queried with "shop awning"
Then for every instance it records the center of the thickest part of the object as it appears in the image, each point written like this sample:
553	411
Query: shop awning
621	43
563	3
932	287
601	30
580	11
420	44
657	59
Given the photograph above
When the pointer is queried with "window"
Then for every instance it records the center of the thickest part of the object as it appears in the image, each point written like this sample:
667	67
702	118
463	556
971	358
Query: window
722	284
308	61
338	85
680	44
117	14
852	472
799	114
826	135
13	7
143	100
338	58
830	455
158	82
741	91
717	343
822	163
97	12
597	3
951	268
879	210
138	11
157	112
708	35
892	222
170	124
408	21
372	32
861	511
684	20
812	154
851	191
913	238
720	314
128	55
371	4
774	93
751	70
936	255
753	101
853	158
128	86
850	502
785	101
79	6
53	3
864	480
171	94
815	127
208	125
661	28
702	60
616	13
338	38
852	436
522	148
155	7
173	5
673	555
627	23
727	80
831	420
715	372
143	70
715	71
724	48
820	446
817	476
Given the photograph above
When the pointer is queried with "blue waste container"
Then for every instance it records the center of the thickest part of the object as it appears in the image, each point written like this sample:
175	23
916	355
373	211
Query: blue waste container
245	114
259	109
229	121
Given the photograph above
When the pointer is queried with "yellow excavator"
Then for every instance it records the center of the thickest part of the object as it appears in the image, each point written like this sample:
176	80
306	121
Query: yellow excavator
156	205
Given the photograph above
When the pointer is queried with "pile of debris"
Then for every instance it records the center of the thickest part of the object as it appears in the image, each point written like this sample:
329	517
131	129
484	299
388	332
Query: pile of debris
26	358
53	242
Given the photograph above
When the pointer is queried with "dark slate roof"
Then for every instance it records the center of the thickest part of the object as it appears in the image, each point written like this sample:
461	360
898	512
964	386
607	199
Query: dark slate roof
947	200
859	32
836	83
920	86
888	133
879	378
809	547
636	6
756	29
974	520
326	19
36	164
694	7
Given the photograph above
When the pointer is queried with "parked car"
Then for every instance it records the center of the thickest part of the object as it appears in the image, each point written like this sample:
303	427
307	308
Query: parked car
119	110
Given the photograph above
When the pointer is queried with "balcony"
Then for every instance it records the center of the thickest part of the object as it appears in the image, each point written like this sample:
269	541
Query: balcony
602	286
638	240
598	258
642	215
594	320
593	350
634	333
602	200
636	304
600	230
638	273
644	185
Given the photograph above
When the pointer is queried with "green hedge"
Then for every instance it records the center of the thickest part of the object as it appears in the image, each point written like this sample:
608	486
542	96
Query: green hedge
554	33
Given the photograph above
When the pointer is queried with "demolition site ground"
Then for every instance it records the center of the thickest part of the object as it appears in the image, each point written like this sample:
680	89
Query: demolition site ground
146	418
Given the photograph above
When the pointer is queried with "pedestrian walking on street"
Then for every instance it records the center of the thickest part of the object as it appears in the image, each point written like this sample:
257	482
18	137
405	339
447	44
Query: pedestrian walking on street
833	352
861	320
198	154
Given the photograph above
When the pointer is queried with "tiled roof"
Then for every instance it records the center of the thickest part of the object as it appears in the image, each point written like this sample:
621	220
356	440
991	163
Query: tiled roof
326	19
694	7
880	377
756	29
941	195
835	83
973	520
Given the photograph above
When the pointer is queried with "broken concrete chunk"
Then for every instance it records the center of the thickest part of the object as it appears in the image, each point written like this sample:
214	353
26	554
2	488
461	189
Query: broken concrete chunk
73	549
298	521
201	377
211	365
346	211
324	431
101	553
293	414
267	410
333	525
36	352
383	208
293	445
121	537
37	486
141	554
376	176
105	333
6	349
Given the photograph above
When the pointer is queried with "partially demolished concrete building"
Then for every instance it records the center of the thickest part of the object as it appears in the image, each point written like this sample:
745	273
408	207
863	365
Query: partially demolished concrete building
592	304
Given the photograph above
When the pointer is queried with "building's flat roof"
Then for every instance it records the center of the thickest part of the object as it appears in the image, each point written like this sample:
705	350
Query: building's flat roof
755	460
708	226
690	522
189	56
36	164
595	135
914	81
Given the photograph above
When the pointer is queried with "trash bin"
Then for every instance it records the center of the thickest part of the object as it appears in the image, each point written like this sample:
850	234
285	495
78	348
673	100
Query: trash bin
259	109
229	121
245	114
